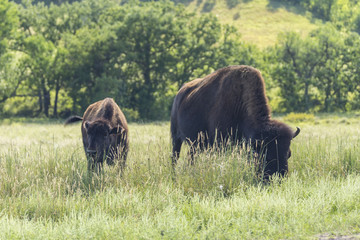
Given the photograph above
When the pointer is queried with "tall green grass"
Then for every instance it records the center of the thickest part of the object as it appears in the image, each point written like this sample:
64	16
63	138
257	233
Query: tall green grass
47	193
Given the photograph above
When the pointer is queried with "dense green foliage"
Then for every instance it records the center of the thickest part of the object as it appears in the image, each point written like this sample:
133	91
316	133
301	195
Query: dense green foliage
56	59
343	13
139	53
46	192
318	73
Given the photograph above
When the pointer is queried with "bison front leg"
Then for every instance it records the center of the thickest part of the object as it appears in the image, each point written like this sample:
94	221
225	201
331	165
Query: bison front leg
122	153
90	163
111	155
94	165
117	156
123	158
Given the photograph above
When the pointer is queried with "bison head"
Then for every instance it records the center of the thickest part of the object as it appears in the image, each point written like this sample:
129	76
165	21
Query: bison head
275	148
99	136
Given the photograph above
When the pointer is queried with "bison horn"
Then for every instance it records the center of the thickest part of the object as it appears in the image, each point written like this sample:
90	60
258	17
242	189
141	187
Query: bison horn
297	132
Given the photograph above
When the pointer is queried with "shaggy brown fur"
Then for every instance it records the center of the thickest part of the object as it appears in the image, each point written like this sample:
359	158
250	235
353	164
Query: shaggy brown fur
105	132
230	103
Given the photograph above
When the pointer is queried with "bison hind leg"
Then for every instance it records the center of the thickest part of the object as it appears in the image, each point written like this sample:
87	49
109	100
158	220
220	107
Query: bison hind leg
122	156
176	144
117	156
123	159
199	145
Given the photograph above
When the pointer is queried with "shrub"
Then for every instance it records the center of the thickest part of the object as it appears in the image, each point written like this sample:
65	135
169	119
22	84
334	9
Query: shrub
299	117
208	5
236	16
130	114
232	3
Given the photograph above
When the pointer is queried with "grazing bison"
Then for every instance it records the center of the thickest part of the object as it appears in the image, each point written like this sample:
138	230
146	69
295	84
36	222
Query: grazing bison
230	104
105	133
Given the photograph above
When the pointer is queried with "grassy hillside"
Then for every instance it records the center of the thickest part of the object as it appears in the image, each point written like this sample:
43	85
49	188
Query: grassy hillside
46	193
259	21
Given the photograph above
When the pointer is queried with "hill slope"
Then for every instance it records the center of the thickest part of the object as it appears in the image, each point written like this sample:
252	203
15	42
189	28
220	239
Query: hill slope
258	21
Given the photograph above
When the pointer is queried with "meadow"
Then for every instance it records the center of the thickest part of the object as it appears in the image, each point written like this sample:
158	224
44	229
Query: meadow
47	193
260	21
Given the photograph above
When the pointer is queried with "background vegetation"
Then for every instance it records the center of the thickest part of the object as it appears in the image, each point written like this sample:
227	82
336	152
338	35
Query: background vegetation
56	57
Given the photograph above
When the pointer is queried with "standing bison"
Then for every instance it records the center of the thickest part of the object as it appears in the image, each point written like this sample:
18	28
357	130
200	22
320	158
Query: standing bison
105	133
230	104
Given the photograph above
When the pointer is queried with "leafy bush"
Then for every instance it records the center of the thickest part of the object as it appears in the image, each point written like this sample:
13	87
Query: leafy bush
130	114
232	3
299	117
208	5
236	16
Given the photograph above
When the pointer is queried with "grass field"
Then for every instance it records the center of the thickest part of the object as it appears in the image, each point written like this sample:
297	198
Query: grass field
46	192
260	21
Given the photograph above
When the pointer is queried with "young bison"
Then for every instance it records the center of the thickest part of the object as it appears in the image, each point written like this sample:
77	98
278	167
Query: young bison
230	104
105	133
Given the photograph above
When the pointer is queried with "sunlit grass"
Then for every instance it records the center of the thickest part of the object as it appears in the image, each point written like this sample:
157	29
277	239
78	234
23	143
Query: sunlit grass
260	21
46	191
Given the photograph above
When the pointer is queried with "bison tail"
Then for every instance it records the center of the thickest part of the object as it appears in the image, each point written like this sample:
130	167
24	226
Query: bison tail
73	119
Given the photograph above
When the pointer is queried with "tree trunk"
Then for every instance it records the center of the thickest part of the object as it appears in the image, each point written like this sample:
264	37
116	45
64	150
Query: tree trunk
46	99
339	102
327	95
147	102
306	96
57	89
40	102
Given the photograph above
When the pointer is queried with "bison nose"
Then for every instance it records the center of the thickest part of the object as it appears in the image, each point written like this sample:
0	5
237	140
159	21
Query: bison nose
90	151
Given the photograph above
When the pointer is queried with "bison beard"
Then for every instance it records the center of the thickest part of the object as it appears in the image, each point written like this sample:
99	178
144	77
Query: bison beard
230	100
104	132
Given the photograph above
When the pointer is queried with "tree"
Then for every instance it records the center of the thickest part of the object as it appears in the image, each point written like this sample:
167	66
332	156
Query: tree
322	67
44	30
139	53
8	24
296	61
9	79
159	46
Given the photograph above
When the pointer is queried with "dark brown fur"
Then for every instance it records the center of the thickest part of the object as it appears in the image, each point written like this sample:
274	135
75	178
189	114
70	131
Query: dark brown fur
104	131
230	103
